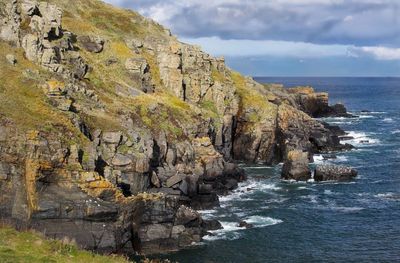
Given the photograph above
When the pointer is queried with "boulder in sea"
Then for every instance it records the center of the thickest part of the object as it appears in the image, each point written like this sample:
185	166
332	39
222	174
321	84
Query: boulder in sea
334	173
296	166
211	225
245	224
329	156
346	138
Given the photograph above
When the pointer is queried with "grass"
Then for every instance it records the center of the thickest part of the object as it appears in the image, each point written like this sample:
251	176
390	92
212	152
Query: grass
32	247
165	112
252	99
22	99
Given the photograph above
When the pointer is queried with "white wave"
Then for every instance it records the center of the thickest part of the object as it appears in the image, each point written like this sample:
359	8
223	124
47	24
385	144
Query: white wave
249	187
377	112
341	123
222	235
328	192
361	139
396	132
366	116
388	120
347	209
390	196
262	221
386	195
230	230
208	214
318	159
276	200
302	188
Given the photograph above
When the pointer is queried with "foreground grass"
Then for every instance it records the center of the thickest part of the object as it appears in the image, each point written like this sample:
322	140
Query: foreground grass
30	247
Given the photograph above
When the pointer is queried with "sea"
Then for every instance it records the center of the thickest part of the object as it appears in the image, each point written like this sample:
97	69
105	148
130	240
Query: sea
356	221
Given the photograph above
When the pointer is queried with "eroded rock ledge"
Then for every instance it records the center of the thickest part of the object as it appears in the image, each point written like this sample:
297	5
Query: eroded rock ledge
118	130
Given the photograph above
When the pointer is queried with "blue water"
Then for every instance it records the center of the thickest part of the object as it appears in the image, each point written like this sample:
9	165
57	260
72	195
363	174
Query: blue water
357	221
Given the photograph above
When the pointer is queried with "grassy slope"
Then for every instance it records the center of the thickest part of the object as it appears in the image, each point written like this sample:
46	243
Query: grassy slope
94	17
31	247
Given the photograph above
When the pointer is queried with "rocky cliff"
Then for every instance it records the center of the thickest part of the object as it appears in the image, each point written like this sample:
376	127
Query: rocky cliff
112	131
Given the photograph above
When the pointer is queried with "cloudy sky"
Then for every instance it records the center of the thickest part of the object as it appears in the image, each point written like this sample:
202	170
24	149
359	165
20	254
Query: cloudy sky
287	37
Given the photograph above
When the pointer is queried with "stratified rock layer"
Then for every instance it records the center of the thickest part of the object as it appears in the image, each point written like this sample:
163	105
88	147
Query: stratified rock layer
110	128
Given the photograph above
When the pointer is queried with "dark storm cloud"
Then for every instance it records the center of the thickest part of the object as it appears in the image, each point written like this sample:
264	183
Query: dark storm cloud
356	22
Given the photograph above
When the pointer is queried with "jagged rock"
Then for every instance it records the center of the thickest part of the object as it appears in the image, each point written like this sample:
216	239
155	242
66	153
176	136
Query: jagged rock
121	160
317	104
174	180
112	137
155	180
10	22
185	216
11	59
211	225
30	8
91	44
184	187
136	65
334	173
296	166
177	148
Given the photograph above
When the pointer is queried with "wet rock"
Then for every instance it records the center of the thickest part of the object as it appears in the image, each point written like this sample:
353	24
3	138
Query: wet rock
296	166
346	138
205	189
211	225
334	173
329	156
231	184
245	224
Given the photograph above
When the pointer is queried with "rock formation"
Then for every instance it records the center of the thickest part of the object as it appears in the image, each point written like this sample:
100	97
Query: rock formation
334	173
110	128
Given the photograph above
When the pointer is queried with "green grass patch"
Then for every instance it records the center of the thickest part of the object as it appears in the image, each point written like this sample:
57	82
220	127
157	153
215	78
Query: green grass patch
33	247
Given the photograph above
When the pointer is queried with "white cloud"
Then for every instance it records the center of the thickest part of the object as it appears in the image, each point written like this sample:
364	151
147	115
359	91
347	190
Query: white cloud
380	53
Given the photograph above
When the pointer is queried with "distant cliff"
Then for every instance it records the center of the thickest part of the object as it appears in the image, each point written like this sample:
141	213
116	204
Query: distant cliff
111	130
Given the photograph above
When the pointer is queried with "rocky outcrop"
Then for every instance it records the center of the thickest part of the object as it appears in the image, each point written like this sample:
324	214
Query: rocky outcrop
118	130
296	166
316	104
334	173
36	26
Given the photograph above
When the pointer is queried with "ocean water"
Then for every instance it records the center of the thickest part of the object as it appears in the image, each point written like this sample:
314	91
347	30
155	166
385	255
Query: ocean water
356	221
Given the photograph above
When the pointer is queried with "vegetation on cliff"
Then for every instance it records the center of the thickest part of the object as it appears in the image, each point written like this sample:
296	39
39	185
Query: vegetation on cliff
100	106
33	247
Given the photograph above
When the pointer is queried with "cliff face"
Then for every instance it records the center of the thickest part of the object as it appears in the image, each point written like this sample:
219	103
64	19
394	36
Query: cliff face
110	128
